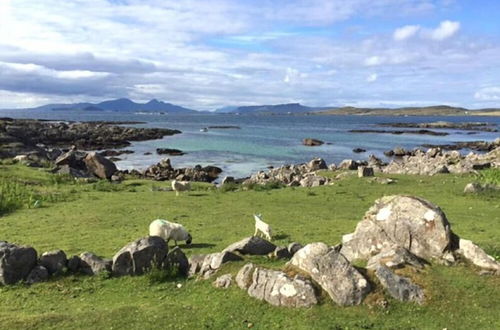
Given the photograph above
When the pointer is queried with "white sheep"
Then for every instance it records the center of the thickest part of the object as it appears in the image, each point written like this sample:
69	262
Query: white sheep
179	186
262	227
169	230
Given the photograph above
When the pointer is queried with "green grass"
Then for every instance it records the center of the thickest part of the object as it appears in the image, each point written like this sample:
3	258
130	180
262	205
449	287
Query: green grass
489	176
102	217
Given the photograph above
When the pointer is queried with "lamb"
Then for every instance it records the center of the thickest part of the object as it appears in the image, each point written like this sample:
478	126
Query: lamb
261	226
169	230
179	186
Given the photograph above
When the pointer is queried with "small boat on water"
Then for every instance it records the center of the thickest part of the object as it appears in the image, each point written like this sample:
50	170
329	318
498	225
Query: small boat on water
204	129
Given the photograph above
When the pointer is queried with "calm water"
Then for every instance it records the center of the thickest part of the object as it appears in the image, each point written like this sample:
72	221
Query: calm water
264	140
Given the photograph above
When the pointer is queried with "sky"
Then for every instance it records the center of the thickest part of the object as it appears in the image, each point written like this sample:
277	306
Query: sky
206	54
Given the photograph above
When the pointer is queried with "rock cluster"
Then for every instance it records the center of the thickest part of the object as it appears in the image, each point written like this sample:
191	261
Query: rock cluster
164	171
435	161
83	165
303	175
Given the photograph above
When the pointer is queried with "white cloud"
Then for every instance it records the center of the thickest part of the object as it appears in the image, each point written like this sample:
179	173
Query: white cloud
488	94
445	30
372	77
405	32
373	61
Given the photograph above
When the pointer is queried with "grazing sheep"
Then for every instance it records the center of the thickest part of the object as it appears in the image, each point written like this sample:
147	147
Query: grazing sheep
261	226
169	230
179	186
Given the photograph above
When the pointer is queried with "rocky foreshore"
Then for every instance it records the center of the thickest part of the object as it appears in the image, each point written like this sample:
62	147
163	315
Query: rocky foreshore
21	136
473	126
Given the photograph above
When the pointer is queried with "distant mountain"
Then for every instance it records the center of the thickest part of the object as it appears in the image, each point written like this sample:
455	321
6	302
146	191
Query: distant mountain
275	109
120	105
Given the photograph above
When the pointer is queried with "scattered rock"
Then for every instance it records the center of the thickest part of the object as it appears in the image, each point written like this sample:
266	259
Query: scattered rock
317	164
170	152
348	164
400	288
477	256
399	132
37	274
54	261
281	252
244	276
139	256
253	245
358	150
279	289
207	265
176	259
223	282
91	264
312	142
16	262
364	171
294	247
74	264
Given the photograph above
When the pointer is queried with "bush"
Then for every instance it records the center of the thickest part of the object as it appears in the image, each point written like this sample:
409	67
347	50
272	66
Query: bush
14	196
230	186
489	176
264	187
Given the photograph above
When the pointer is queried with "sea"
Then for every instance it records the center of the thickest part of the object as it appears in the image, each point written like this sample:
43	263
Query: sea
263	141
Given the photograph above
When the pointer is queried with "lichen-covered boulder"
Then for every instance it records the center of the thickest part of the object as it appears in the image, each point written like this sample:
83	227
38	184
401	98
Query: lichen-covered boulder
400	221
207	264
278	289
337	276
400	288
16	262
303	258
254	245
139	256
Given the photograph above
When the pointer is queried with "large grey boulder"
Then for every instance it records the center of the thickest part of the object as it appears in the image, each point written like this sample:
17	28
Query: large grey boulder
477	256
279	289
400	221
365	171
254	245
139	256
92	264
400	288
335	274
16	262
99	165
176	259
394	257
37	274
54	261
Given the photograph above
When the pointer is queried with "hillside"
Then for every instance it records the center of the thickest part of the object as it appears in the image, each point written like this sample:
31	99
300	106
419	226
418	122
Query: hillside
438	110
287	108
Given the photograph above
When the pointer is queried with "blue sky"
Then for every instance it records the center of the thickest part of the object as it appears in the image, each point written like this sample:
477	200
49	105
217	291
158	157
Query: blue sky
212	53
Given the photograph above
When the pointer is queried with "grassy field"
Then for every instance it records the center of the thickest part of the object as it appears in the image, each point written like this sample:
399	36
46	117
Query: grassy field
102	217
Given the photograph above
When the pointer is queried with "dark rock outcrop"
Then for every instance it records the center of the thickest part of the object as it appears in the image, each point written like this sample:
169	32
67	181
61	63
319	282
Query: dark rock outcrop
312	142
253	245
400	288
16	262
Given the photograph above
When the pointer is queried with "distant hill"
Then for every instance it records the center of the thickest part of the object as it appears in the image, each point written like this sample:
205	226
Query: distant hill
120	105
274	109
438	110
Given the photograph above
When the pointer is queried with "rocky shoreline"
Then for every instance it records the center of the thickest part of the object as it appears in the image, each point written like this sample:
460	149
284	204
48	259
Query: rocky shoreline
473	126
21	136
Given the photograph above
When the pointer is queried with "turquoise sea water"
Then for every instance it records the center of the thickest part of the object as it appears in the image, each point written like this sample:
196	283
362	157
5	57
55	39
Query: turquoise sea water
264	140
